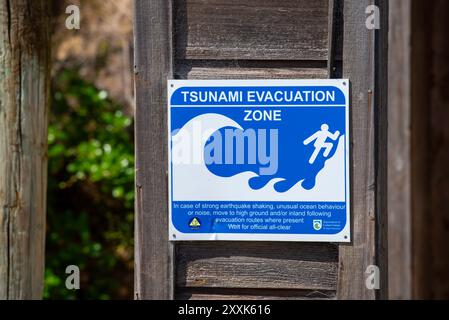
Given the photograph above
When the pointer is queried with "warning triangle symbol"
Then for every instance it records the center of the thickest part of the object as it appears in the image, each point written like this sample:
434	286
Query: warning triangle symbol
195	223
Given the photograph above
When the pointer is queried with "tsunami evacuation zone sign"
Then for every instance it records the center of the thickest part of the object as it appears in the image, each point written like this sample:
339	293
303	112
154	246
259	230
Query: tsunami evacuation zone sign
259	160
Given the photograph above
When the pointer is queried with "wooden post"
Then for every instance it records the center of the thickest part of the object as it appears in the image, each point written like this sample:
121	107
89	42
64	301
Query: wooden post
24	88
364	62
153	67
400	156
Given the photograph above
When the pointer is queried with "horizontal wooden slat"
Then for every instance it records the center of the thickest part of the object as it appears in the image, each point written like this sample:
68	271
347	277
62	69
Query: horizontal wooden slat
223	294
252	29
232	72
257	265
223	73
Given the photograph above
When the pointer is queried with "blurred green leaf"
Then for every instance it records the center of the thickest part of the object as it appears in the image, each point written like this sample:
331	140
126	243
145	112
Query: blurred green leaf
90	192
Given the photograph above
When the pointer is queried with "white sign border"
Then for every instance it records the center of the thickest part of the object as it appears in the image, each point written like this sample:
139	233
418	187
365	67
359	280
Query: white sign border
342	237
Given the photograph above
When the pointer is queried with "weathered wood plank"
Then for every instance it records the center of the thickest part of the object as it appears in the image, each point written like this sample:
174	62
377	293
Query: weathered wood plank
257	265
399	151
153	66
253	29
188	70
24	93
381	146
250	294
360	61
253	73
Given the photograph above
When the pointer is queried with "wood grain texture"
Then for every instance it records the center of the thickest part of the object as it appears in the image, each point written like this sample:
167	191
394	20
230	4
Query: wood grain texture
257	265
198	69
399	151
252	29
360	60
24	93
153	66
381	146
251	294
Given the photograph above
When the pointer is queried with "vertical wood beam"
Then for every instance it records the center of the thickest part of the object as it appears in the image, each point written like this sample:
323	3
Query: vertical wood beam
331	38
153	66
362	64
24	93
421	84
399	157
381	145
438	140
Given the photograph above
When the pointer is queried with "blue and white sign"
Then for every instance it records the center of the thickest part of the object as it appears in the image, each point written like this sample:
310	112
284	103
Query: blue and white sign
259	160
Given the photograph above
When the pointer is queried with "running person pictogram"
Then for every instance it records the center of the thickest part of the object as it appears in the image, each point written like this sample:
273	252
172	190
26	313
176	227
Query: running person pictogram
320	138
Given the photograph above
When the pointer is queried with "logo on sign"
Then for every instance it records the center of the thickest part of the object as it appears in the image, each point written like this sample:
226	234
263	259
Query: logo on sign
317	225
195	224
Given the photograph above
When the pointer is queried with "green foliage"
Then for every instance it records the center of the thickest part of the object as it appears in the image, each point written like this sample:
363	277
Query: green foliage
90	192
